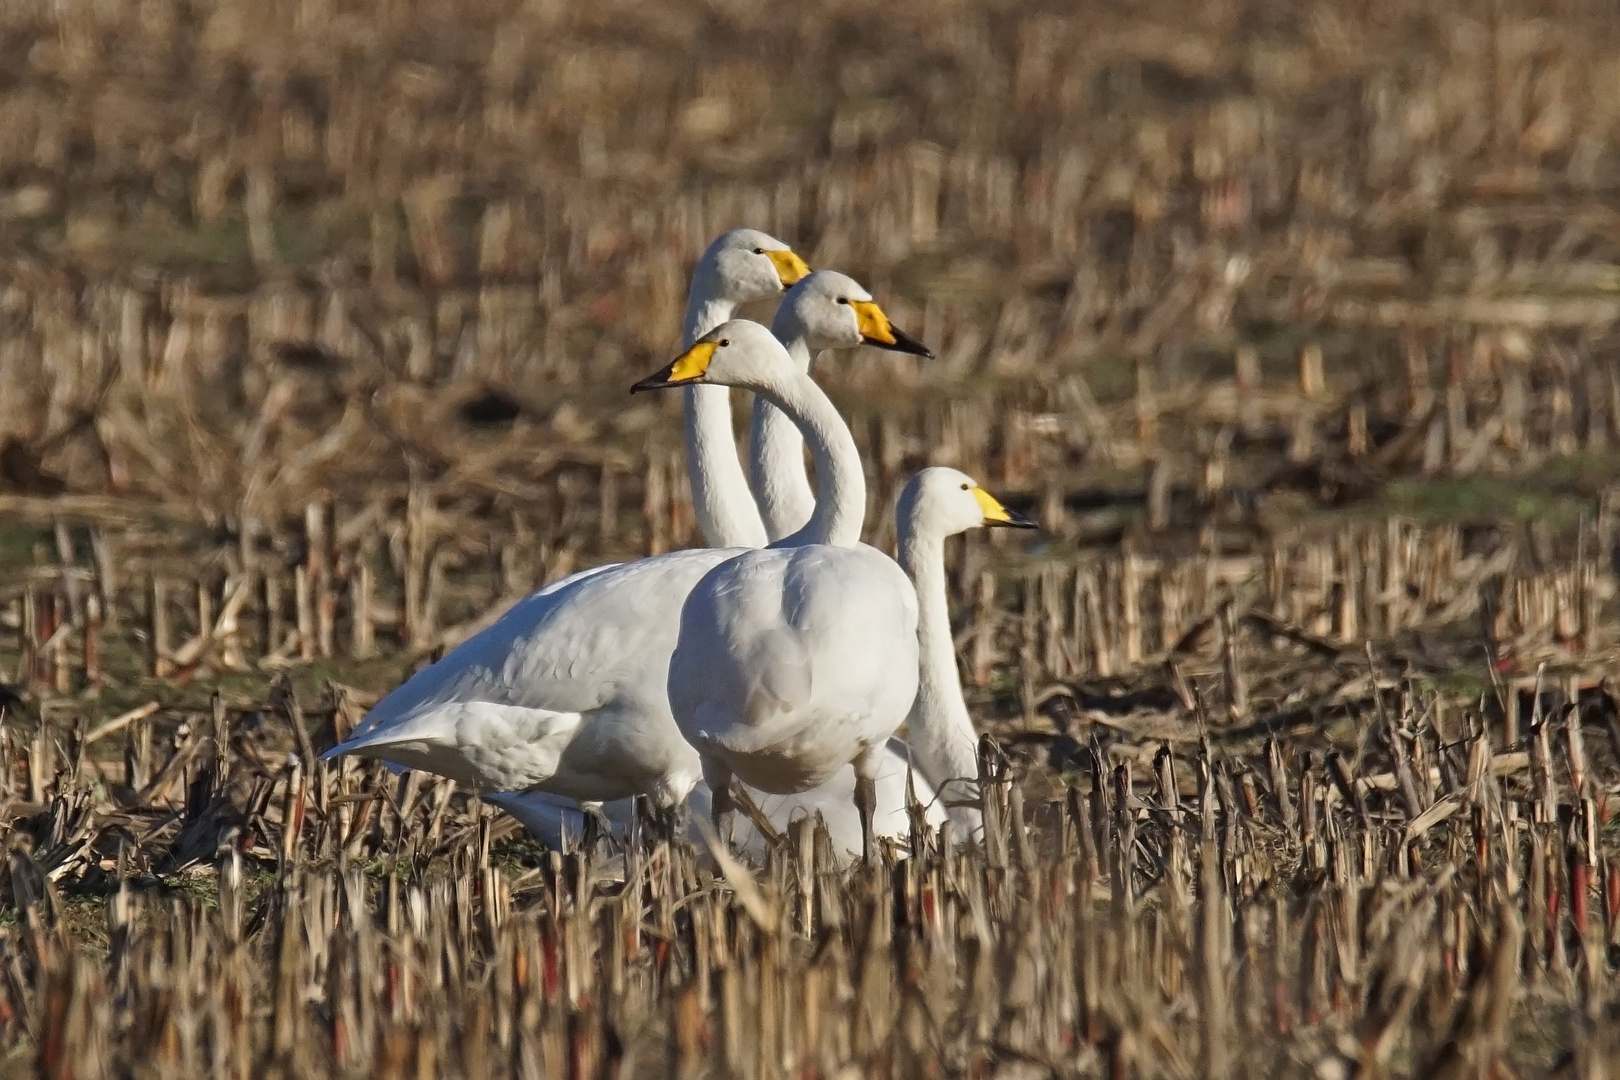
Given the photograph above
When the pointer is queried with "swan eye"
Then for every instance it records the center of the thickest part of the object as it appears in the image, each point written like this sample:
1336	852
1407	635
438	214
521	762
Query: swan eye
759	251
965	487
724	342
843	299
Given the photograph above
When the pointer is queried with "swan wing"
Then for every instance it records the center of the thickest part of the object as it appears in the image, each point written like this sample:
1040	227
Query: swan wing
501	709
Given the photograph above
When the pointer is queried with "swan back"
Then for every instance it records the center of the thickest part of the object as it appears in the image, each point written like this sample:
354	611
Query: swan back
565	690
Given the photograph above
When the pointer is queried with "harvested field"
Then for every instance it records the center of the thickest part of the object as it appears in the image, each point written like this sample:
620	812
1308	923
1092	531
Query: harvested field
1294	324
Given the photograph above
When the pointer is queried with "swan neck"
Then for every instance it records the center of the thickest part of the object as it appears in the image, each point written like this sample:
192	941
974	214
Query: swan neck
721	501
776	451
939	729
840	483
704	310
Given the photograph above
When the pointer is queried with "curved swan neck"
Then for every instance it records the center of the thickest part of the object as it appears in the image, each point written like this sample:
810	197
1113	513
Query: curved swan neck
939	729
704	310
776	449
721	500
840	483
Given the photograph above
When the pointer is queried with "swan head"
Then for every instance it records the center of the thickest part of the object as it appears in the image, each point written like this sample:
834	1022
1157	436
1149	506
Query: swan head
943	502
739	353
746	264
832	311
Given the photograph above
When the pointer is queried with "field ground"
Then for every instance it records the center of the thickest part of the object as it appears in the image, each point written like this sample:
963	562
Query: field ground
1294	324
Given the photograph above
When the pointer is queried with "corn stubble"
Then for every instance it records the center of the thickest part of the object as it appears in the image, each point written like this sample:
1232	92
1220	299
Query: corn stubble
314	318
1212	902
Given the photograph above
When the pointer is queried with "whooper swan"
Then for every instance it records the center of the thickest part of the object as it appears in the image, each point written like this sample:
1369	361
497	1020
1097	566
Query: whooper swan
566	692
826	310
796	660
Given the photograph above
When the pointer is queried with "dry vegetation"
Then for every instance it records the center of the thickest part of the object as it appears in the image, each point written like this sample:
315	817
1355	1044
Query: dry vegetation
1293	322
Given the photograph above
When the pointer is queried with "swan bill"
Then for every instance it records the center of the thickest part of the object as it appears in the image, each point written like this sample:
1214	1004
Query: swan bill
789	267
876	329
995	514
685	369
905	343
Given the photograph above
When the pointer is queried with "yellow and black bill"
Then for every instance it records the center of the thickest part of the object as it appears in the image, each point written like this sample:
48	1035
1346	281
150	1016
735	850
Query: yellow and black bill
687	369
877	330
997	515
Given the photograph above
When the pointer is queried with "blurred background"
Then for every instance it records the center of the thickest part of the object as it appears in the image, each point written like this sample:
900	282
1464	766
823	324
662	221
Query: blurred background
256	250
354	290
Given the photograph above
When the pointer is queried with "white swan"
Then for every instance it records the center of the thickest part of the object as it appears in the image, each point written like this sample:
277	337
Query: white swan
796	660
741	265
936	503
825	310
940	734
566	691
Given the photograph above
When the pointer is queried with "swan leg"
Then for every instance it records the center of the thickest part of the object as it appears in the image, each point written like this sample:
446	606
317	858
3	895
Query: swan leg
866	804
674	820
658	821
718	777
597	827
866	800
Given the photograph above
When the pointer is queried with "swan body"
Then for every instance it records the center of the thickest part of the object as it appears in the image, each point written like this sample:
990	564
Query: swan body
567	691
563	692
795	662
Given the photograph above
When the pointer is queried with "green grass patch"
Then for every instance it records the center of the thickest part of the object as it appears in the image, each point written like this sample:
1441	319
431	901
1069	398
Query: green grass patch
1558	493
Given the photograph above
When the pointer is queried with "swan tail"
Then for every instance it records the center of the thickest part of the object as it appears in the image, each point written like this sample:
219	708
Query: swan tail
426	727
478	744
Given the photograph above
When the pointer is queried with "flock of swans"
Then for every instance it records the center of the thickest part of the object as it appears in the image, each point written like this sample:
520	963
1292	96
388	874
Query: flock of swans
783	657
